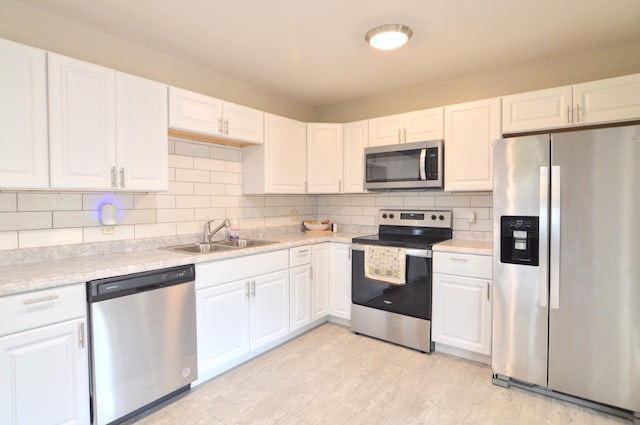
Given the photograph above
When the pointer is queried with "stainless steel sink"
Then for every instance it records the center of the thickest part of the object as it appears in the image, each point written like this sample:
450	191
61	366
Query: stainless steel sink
199	248
243	243
228	245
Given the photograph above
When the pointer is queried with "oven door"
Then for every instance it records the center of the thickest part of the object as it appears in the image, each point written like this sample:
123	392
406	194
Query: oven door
412	299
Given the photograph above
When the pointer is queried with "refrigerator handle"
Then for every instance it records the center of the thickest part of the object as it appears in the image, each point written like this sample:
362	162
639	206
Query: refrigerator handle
543	269
554	275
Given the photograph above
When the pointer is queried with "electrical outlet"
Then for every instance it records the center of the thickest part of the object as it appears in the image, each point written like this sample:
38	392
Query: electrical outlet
294	215
107	230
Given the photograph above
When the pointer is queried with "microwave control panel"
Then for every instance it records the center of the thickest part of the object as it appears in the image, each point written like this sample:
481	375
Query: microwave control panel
431	165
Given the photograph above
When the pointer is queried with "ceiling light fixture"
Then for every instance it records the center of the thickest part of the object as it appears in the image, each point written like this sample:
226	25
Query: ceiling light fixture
388	36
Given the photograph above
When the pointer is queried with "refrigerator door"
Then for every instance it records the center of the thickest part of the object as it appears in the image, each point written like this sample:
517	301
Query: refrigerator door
520	312
594	325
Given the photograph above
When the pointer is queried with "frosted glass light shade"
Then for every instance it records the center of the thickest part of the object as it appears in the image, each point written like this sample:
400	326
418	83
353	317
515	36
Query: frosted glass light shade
388	36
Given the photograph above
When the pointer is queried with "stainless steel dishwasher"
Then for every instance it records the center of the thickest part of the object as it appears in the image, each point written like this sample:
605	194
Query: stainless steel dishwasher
142	341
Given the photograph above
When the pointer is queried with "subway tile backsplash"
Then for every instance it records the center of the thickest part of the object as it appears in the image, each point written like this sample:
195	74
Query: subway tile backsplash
205	183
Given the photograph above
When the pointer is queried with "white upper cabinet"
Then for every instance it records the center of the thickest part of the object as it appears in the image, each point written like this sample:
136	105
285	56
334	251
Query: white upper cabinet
81	124
107	129
597	102
355	138
196	113
324	158
141	123
24	162
278	166
539	109
610	100
470	129
415	126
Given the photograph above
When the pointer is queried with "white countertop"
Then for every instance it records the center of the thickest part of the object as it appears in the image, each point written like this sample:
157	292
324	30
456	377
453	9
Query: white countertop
465	246
15	279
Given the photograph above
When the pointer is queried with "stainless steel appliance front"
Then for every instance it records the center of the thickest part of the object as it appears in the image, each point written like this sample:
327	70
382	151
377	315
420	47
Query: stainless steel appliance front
583	297
406	166
143	341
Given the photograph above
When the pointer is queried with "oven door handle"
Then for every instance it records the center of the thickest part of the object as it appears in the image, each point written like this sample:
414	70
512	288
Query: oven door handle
410	252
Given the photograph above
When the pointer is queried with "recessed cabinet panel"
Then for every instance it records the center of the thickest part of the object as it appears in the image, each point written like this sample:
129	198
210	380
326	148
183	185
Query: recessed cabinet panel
141	107
610	100
424	125
82	124
470	129
324	158
24	161
190	111
356	136
243	123
340	280
540	109
385	130
285	156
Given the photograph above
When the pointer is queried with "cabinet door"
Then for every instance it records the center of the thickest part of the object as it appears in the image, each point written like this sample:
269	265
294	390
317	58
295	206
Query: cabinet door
242	123
537	110
385	130
300	281
462	312
470	129
194	112
320	281
141	122
44	376
24	161
610	100
285	156
340	280
222	324
81	124
356	136
324	158
423	125
270	308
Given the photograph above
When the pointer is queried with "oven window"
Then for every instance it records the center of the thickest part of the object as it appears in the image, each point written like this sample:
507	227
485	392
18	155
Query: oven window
412	299
393	166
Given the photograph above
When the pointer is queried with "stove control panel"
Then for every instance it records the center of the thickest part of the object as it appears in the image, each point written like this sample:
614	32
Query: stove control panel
416	218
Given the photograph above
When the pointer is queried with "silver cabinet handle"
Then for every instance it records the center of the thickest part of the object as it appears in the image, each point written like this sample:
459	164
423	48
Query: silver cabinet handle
568	114
488	291
302	251
543	269
311	272
554	295
113	177
459	260
246	289
41	299
578	113
339	186
81	335
122	177
220	125
226	126
253	288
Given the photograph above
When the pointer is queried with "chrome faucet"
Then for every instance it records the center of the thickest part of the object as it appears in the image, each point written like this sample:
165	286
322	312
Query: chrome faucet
208	233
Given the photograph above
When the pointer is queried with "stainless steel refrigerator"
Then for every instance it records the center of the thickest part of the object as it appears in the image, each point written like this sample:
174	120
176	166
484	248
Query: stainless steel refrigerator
566	301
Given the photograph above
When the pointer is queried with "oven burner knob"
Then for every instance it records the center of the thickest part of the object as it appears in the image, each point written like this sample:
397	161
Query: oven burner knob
390	215
441	217
433	217
384	216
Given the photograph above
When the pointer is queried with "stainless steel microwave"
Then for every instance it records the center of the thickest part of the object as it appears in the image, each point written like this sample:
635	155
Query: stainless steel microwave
406	166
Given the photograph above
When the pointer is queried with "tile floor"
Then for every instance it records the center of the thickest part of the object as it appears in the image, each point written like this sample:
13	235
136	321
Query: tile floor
332	376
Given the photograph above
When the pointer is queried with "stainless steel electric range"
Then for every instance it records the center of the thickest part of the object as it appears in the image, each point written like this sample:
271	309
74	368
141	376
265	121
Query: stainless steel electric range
397	309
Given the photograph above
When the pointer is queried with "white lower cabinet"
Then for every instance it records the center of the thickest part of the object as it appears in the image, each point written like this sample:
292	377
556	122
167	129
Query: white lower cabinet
44	369
319	281
462	301
242	304
340	280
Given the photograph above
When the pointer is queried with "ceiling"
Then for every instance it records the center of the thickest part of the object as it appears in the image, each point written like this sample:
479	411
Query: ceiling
314	51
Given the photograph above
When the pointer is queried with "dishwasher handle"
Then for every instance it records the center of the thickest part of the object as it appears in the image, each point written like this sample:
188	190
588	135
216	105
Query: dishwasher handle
120	286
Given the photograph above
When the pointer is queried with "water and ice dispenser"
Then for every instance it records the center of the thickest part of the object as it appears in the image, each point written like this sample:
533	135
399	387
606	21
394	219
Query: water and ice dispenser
519	240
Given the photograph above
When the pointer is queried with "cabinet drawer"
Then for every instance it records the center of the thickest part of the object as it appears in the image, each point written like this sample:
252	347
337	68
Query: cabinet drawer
223	271
470	265
300	255
39	308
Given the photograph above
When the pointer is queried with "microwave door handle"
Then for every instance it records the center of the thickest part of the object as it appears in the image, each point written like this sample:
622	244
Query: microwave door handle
423	163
